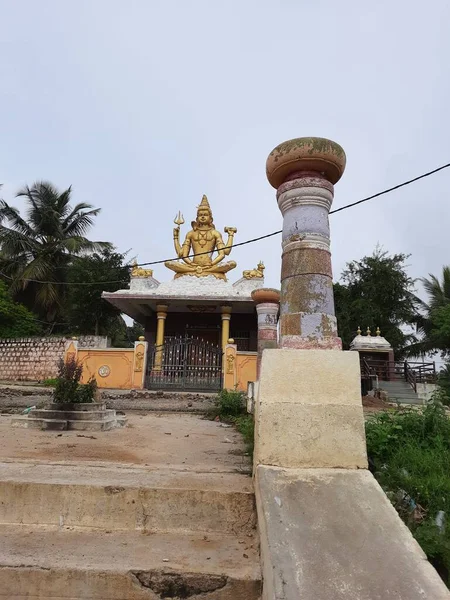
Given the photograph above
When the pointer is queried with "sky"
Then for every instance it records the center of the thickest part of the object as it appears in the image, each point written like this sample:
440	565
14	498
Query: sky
143	106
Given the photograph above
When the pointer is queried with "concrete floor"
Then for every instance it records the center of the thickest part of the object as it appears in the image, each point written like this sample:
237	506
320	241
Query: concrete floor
172	441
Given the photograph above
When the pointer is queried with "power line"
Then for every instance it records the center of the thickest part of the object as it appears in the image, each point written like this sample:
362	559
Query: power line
396	187
251	241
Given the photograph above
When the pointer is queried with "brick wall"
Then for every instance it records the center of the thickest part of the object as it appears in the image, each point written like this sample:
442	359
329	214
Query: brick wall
35	359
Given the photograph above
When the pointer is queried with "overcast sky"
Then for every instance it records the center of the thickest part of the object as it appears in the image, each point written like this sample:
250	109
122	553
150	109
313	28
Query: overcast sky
143	106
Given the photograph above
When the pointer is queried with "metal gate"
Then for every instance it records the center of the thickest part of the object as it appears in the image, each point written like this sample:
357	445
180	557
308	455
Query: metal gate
184	363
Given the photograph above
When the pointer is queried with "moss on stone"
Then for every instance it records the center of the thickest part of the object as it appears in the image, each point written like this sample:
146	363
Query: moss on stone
315	145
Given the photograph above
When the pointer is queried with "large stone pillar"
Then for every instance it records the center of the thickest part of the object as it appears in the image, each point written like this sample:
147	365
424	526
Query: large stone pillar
161	315
267	302
308	409
303	171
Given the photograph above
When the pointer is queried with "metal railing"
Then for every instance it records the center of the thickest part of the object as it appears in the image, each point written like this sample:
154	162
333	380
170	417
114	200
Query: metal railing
410	372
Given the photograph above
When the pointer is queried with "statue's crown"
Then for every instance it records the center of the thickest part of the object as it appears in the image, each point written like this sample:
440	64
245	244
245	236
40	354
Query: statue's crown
204	204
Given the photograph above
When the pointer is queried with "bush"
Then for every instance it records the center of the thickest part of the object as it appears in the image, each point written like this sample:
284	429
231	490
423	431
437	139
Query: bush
230	403
409	451
68	388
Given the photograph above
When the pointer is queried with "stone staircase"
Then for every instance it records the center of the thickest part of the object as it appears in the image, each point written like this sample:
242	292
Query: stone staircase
126	533
400	391
93	416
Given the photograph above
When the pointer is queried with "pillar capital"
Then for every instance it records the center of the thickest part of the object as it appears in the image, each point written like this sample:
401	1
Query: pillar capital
161	311
226	310
266	295
308	155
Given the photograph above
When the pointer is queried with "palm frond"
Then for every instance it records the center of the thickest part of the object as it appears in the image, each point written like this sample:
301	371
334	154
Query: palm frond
80	223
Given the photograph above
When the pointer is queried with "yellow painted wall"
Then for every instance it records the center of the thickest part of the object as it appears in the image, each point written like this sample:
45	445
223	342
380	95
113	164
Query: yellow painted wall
111	368
245	369
239	368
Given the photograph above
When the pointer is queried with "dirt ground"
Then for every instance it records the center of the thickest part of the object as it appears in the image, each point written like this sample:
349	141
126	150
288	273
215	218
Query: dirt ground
372	404
179	441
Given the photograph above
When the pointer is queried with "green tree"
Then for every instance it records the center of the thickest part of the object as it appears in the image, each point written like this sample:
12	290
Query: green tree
41	246
87	312
134	332
15	319
433	322
376	292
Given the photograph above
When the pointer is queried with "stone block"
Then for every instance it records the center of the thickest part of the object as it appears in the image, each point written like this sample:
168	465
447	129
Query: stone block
308	412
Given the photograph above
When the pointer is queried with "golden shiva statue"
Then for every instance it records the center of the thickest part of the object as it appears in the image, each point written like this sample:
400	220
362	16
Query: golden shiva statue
203	240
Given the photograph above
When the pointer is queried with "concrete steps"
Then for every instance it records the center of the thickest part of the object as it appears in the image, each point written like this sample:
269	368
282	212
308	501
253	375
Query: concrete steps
125	498
400	391
74	415
111	532
44	562
78	417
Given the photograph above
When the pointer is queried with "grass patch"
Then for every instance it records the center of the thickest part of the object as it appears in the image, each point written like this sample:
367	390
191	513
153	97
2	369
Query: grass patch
50	382
409	453
231	407
245	424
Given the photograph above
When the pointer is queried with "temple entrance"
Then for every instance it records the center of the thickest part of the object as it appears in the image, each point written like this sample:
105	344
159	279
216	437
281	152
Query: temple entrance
184	364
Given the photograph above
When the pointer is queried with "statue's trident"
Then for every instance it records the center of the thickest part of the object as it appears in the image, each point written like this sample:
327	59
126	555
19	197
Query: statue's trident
179	219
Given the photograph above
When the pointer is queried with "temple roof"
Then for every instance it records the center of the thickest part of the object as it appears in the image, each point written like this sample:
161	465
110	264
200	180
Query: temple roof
182	294
371	343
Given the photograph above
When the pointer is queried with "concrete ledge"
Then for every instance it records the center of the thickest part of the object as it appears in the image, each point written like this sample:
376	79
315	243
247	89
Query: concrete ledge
328	534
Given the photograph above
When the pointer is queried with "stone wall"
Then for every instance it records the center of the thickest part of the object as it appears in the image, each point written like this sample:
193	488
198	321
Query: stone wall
93	341
35	359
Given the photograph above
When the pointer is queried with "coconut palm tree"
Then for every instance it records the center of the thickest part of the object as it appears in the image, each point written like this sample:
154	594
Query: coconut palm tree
35	251
430	319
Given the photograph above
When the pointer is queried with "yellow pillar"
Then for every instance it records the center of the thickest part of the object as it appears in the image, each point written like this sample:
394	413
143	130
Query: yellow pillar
161	314
226	317
229	371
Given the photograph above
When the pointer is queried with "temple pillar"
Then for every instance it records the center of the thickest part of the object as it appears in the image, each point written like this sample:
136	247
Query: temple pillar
226	317
161	315
304	195
267	302
308	408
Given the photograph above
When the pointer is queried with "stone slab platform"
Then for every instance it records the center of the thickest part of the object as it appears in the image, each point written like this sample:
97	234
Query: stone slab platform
176	442
48	563
51	424
331	534
125	498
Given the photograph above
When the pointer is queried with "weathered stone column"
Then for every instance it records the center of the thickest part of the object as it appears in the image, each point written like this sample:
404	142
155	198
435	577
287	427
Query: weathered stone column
303	171
161	314
267	302
308	411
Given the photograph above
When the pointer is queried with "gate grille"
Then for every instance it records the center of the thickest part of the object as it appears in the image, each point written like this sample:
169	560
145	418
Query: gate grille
184	363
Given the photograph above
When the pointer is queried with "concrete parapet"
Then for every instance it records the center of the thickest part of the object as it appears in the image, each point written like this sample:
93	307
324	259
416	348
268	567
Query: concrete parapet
332	533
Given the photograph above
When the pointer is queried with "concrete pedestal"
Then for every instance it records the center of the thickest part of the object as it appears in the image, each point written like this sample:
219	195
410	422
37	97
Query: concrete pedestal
308	412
